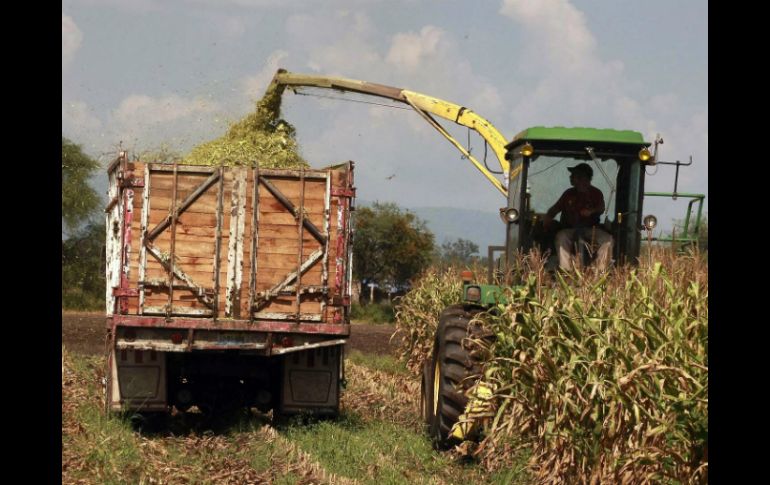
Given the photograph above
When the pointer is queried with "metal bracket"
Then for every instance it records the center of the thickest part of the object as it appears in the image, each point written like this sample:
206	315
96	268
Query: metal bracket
342	192
132	182
125	292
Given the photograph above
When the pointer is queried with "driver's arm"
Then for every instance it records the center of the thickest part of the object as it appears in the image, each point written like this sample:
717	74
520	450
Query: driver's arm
555	209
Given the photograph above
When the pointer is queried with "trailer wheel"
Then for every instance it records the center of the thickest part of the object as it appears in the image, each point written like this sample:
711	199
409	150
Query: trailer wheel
450	367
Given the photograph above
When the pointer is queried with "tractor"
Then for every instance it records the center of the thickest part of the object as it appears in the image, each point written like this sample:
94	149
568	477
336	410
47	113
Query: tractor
534	167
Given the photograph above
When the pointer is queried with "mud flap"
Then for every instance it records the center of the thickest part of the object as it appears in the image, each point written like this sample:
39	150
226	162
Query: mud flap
311	381
138	380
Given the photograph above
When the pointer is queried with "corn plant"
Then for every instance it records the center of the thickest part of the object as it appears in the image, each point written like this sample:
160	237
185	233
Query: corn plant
418	311
604	375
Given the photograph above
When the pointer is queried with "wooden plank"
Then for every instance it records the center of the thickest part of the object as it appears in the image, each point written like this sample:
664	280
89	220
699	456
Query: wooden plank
273	275
291	277
183	205
165	238
312	206
152	270
255	232
204	204
291	189
170	221
281	263
166	167
285	251
178	273
143	230
286	219
291	306
216	277
300	234
202	276
288	243
235	249
192	248
283	173
186	181
292	211
188	219
292	195
327	231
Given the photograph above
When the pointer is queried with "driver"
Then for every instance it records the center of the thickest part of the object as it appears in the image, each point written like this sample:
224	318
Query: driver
581	207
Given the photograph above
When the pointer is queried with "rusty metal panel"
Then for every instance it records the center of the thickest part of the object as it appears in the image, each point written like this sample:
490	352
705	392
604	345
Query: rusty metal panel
246	325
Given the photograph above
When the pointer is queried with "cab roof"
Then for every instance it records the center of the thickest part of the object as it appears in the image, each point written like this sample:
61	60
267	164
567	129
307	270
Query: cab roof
582	134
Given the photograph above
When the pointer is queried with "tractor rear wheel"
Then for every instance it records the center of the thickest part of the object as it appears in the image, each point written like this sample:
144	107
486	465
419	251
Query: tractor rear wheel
426	394
446	378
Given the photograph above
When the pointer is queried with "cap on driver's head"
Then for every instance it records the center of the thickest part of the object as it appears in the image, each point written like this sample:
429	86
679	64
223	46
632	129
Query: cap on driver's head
582	168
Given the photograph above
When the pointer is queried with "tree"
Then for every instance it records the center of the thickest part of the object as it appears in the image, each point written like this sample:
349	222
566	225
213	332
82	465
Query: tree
390	246
79	200
82	268
459	252
82	251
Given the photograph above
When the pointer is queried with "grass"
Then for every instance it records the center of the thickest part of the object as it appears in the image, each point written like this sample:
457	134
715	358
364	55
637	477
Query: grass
378	438
372	313
384	363
374	453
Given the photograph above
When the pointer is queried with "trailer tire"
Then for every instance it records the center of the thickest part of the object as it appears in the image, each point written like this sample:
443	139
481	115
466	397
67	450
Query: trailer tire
450	368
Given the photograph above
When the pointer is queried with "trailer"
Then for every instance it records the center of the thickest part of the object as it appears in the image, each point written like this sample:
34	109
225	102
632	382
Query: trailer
227	287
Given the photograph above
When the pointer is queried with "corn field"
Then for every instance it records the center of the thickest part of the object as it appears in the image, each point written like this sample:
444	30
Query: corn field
603	377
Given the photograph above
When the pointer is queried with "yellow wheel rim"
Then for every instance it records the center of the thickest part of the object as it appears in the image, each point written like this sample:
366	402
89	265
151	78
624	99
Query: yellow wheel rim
436	384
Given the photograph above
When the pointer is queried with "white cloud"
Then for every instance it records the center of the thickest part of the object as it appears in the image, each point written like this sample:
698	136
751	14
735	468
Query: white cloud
254	86
337	43
232	27
143	122
411	50
142	109
78	121
260	4
559	29
133	6
71	39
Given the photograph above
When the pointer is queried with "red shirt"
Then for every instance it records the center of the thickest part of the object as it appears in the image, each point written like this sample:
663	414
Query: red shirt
572	202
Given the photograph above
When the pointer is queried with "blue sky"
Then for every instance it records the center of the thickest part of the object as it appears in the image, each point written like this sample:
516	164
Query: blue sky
150	72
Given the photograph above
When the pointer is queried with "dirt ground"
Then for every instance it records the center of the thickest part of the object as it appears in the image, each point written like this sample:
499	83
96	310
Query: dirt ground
84	333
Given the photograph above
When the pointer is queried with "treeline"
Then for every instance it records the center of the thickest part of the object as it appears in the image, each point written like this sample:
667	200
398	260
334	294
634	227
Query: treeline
82	246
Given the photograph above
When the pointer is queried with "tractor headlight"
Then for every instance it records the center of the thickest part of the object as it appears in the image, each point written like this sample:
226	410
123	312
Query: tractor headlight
650	222
527	150
509	215
473	293
644	155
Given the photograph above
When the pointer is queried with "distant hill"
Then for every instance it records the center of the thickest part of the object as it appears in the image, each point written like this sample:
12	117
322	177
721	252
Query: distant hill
449	224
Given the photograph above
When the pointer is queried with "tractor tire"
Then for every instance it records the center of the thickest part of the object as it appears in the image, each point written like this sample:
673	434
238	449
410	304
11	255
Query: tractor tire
426	393
450	367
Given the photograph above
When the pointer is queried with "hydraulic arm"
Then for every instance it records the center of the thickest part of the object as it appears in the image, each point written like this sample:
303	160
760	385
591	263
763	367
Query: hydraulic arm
424	105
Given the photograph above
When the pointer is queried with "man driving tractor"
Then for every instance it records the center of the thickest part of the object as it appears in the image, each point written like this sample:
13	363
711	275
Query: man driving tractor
581	205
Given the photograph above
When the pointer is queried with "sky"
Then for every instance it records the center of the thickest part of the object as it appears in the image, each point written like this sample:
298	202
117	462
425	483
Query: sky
145	74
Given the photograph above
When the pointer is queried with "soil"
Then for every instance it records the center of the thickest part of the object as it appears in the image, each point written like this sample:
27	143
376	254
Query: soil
84	333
